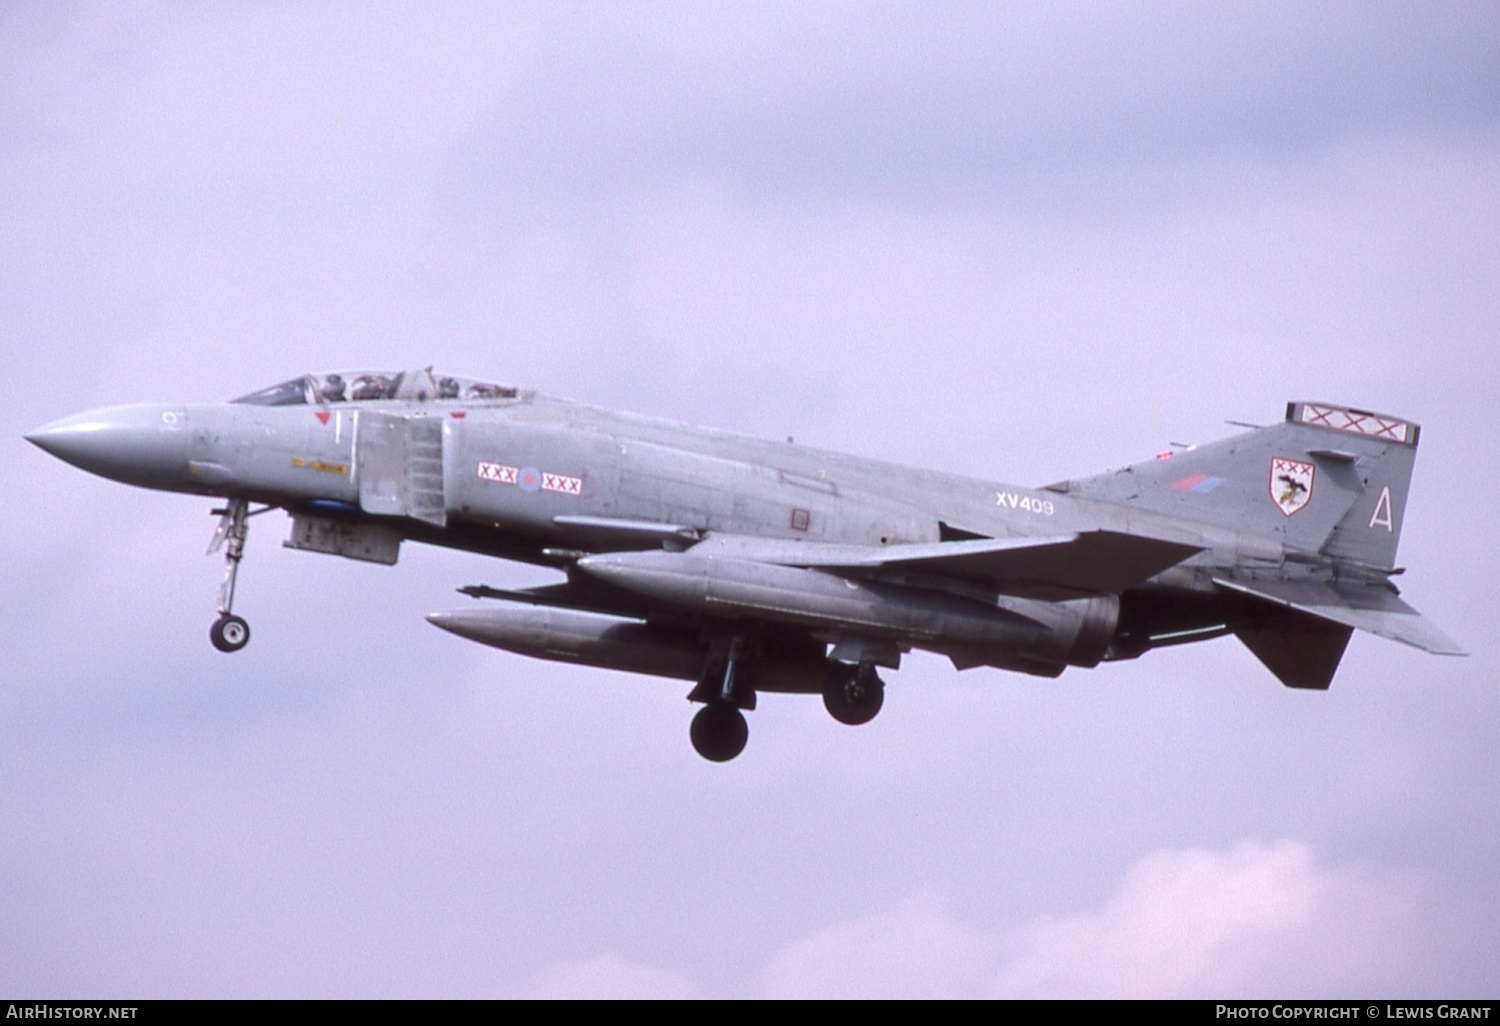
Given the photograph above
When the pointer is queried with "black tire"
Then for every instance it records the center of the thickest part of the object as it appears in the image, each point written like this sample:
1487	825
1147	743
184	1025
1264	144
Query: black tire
854	696
229	633
719	732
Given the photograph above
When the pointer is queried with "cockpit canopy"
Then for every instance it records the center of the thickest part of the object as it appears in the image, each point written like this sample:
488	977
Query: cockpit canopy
366	386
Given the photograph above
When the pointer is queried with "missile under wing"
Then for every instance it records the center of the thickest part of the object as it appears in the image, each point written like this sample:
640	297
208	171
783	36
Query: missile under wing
747	566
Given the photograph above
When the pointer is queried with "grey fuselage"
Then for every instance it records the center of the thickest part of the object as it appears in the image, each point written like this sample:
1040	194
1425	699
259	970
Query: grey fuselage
514	472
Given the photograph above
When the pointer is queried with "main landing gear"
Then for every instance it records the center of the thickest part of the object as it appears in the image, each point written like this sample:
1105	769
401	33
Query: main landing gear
719	730
852	693
230	633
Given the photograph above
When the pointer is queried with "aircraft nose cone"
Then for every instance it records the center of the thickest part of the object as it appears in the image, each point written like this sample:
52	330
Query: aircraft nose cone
139	445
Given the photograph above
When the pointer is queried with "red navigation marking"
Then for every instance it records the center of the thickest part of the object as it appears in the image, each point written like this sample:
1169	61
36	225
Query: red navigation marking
322	416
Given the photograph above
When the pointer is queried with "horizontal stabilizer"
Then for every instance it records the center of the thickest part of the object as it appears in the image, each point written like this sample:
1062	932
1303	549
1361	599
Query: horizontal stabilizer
1052	569
1302	650
1368	607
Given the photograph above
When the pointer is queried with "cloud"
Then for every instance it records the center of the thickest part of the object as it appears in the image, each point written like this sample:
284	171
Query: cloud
608	977
1160	932
1200	923
1257	920
918	951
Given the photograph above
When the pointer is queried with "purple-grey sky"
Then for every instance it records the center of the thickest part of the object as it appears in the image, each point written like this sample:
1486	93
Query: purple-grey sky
1020	242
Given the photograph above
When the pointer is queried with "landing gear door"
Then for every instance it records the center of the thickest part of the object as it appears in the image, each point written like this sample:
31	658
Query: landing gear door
399	461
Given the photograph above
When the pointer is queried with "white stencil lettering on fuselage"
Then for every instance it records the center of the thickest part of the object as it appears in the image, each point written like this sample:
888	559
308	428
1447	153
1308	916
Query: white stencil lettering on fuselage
1025	503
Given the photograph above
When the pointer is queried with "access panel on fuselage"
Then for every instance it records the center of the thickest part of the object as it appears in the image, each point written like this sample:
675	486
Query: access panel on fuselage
399	464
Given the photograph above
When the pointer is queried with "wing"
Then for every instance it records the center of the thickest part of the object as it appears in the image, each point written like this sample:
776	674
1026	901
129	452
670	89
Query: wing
1052	569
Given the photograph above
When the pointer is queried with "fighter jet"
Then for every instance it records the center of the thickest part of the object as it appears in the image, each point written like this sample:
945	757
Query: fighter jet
748	566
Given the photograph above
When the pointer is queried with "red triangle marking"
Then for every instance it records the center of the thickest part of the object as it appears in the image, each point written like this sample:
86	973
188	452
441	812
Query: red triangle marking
322	416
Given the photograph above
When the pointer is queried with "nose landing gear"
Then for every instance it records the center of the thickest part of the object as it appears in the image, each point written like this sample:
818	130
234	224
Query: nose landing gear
230	633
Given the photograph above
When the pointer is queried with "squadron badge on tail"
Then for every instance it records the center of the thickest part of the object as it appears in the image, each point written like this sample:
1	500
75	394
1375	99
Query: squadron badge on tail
1291	484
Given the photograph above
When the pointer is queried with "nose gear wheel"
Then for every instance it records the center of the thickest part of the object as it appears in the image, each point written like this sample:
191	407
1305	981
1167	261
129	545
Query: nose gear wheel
229	633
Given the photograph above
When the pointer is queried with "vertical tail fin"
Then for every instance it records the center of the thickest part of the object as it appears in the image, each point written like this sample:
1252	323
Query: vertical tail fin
1371	529
1328	479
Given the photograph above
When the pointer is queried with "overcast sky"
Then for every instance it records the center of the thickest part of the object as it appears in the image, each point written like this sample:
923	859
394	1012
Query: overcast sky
1019	242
